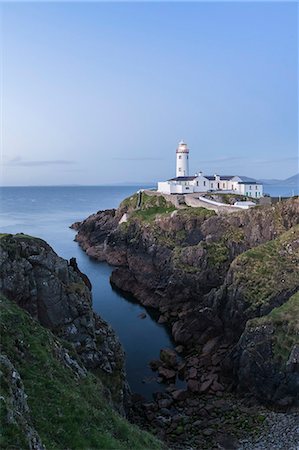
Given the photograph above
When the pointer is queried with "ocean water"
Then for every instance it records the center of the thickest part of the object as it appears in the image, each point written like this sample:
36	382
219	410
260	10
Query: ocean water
281	191
47	212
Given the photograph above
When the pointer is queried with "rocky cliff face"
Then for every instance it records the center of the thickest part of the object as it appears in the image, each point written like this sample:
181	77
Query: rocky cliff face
49	400
57	295
198	268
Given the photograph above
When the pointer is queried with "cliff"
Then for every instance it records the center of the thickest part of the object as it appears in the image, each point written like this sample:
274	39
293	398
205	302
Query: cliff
48	398
207	274
58	296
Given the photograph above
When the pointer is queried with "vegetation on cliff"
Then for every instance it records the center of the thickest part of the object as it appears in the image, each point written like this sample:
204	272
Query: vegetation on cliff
67	405
208	275
285	323
267	275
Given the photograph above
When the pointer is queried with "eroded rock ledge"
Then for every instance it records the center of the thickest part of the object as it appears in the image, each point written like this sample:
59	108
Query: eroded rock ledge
208	275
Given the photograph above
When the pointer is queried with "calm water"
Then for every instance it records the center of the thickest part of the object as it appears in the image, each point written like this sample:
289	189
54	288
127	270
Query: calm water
47	212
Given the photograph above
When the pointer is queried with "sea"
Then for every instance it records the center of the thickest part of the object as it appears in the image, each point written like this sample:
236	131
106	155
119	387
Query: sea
48	212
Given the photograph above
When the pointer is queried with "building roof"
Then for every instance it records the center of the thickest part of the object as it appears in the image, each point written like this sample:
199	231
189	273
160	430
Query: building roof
248	182
182	178
221	177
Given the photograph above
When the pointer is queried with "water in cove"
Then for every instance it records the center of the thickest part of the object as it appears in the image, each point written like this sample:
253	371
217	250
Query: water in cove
47	212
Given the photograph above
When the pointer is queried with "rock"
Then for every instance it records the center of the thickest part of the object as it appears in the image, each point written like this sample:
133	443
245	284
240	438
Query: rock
19	412
192	373
205	385
193	385
179	349
167	374
155	364
208	432
165	402
162	319
142	316
168	357
57	295
197	270
210	345
293	361
216	387
179	395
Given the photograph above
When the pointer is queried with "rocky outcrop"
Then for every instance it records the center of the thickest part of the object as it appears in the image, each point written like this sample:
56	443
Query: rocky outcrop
199	269
58	296
15	408
48	398
266	358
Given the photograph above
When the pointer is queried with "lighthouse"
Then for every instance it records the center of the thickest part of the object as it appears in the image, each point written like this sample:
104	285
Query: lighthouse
182	160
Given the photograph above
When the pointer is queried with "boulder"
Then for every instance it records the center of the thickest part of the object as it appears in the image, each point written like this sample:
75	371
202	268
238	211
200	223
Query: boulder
168	357
167	374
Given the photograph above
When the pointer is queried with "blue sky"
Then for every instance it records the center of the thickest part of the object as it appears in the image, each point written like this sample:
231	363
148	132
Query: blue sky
97	93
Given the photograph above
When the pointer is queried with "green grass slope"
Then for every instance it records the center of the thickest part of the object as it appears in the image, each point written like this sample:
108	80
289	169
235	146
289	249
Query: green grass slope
285	321
67	411
268	271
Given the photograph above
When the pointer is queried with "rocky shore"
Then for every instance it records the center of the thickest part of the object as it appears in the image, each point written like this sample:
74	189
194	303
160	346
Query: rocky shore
226	285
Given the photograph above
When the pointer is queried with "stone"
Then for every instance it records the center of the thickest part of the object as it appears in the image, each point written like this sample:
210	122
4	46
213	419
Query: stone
193	385
168	357
179	349
167	374
165	402
180	394
162	319
205	385
155	364
208	432
216	387
210	345
192	373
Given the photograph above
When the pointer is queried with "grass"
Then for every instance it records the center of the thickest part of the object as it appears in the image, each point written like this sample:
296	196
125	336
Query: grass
68	413
285	320
268	270
151	206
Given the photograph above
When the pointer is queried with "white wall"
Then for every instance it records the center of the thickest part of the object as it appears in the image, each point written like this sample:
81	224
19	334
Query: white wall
251	190
182	164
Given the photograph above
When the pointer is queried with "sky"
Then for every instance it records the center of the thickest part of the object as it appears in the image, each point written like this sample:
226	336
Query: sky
101	93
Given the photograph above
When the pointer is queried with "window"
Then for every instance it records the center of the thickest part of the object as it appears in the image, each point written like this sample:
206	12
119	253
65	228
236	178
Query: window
196	183
250	188
256	188
187	188
187	156
211	185
180	156
204	183
218	185
223	185
180	169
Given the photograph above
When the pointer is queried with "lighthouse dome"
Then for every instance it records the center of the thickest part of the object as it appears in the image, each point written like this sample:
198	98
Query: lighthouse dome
182	147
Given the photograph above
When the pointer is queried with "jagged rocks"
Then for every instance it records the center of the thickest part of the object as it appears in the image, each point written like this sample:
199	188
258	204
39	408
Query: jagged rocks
14	407
57	295
266	356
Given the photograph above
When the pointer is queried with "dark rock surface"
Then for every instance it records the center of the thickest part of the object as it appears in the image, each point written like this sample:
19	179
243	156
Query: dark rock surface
16	408
58	296
195	267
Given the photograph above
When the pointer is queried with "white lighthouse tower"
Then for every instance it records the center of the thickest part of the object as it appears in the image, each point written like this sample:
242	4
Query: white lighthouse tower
182	160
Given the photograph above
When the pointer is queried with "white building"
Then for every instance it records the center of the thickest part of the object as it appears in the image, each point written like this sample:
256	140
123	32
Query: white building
185	184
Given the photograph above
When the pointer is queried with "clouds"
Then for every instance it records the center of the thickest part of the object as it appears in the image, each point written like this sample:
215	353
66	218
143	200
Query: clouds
20	162
248	160
137	158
